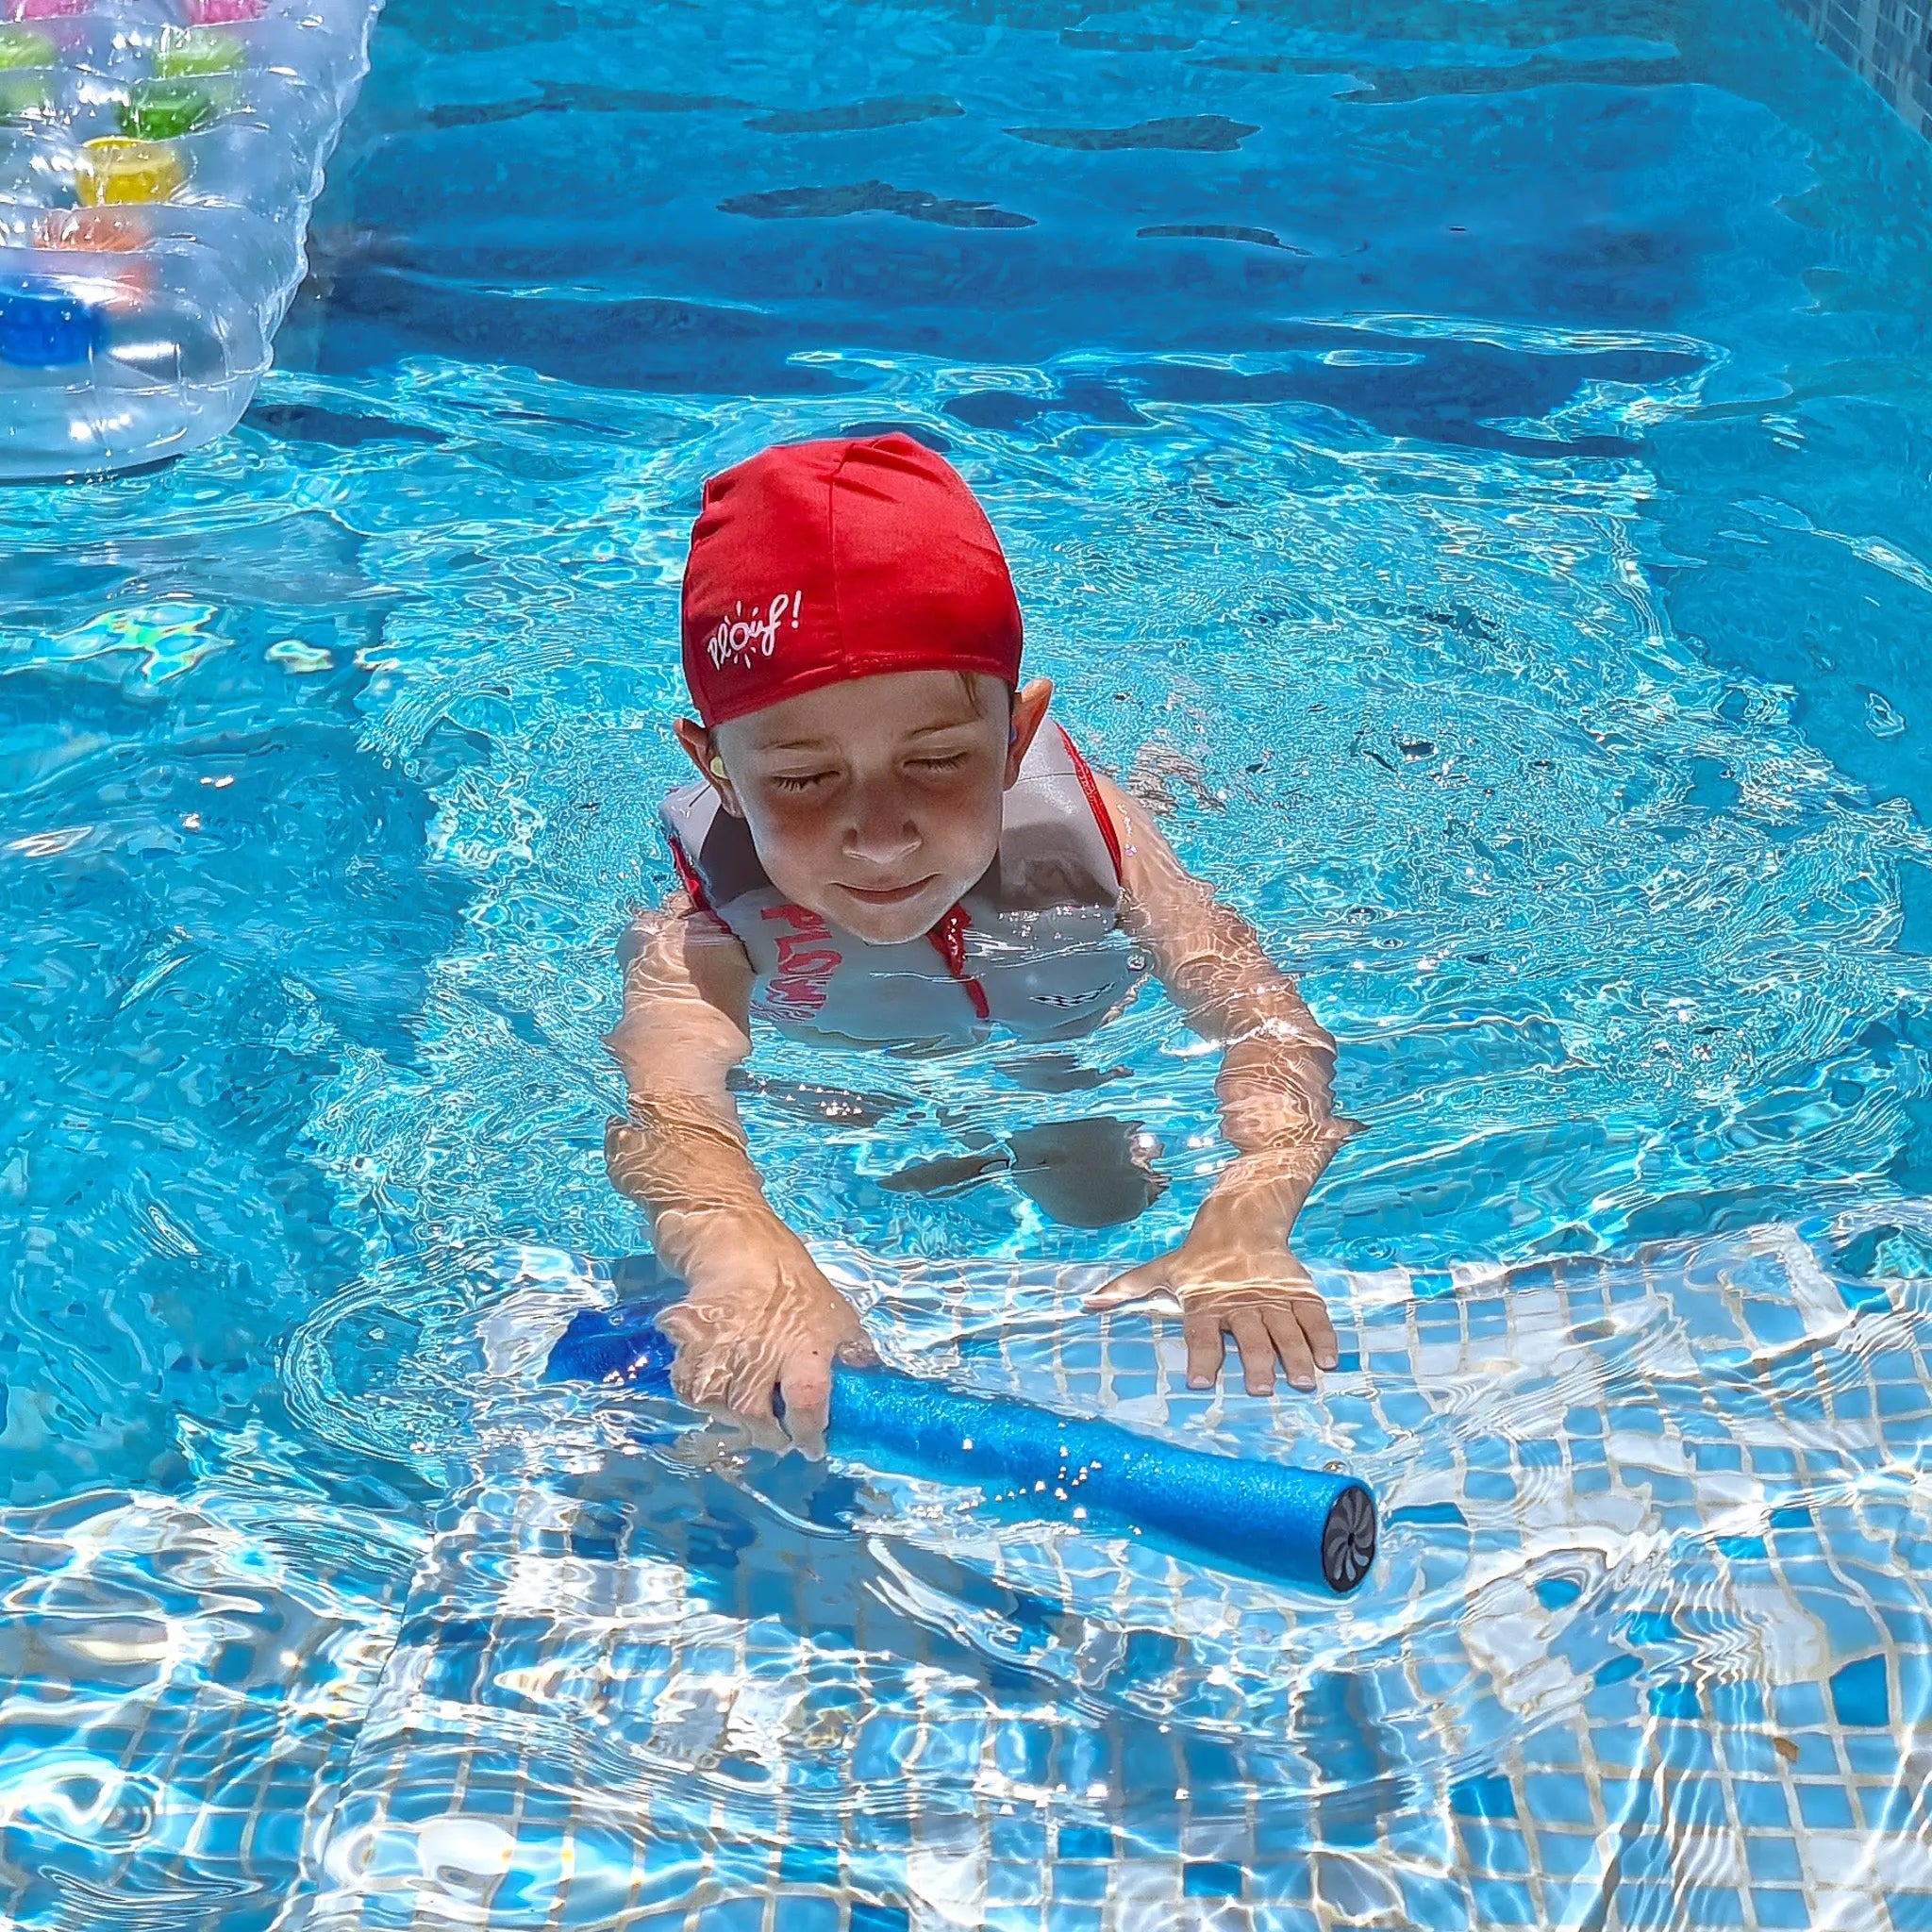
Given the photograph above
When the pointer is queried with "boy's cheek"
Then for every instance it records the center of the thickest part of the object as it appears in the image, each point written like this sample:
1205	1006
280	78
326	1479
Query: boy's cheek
787	835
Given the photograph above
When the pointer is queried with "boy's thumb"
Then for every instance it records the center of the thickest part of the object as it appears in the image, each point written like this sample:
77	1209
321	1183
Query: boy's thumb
1136	1285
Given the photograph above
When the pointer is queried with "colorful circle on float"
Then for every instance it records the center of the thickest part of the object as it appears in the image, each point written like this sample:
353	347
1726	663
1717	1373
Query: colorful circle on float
26	97
43	325
97	230
224	12
196	51
20	46
164	108
116	168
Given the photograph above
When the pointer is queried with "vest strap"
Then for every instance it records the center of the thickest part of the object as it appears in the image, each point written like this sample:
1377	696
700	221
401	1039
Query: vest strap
1102	819
688	874
949	940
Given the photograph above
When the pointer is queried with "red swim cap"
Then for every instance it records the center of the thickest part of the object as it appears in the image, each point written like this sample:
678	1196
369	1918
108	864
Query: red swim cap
818	563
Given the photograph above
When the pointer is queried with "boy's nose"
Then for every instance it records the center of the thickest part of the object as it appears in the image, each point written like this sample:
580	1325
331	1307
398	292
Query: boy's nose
880	833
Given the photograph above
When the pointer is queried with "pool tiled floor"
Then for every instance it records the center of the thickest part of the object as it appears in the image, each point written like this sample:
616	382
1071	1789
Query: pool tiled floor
1648	1645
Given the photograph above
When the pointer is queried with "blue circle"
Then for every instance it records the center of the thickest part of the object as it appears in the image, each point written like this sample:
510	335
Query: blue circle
43	325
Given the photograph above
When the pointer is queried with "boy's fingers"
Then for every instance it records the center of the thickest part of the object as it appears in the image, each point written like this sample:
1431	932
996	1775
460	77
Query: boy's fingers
807	1386
1201	1328
620	1142
750	1402
1290	1343
1136	1285
698	1380
1311	1314
1252	1336
858	1351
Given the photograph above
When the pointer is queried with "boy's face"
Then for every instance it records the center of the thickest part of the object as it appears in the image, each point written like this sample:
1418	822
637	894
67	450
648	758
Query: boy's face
876	804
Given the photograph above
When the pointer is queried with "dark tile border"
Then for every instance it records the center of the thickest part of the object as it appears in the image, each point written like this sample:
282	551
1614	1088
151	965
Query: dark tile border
1887	41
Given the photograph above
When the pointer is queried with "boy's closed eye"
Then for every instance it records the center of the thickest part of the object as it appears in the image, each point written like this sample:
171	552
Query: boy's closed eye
936	763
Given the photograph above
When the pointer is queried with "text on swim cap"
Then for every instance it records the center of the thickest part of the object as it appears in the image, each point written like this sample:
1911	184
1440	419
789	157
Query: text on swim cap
739	637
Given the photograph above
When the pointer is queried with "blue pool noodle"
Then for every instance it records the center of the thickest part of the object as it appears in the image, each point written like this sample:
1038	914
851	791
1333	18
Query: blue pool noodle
1305	1526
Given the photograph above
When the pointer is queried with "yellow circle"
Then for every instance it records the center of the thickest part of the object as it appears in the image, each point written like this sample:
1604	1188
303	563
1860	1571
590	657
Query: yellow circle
116	169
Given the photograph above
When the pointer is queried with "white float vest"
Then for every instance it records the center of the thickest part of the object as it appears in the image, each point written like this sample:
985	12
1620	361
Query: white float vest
1034	948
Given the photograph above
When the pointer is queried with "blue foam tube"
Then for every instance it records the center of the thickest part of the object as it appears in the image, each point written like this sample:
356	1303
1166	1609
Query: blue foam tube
1309	1527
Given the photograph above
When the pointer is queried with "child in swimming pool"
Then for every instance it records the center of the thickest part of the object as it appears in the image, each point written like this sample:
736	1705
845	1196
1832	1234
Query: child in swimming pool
891	846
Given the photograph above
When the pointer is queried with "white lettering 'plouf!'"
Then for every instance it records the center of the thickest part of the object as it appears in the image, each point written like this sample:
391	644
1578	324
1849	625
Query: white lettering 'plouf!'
739	637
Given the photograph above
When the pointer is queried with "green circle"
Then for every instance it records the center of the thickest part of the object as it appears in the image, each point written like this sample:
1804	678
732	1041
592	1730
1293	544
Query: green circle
162	109
24	97
188	51
20	46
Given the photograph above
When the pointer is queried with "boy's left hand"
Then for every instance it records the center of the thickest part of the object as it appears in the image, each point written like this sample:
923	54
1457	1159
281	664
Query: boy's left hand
1262	1295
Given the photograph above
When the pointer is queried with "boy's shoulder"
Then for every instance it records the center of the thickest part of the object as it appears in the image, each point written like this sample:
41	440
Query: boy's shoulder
711	848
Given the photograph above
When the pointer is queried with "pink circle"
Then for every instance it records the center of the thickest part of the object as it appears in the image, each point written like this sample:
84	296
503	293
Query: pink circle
224	12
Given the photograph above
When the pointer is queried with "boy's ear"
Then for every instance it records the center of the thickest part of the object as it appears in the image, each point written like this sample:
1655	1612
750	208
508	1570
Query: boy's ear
702	751
1029	714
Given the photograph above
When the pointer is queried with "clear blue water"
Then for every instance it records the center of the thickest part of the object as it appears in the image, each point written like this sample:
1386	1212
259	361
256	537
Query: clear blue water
1495	532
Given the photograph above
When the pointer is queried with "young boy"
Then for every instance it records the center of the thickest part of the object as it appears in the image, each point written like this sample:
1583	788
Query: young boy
892	846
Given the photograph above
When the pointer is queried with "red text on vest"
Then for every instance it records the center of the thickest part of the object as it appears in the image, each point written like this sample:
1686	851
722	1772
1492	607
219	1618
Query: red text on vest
807	960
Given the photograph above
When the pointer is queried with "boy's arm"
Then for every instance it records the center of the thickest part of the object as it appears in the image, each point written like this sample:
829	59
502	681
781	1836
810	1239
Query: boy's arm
759	1315
1234	1274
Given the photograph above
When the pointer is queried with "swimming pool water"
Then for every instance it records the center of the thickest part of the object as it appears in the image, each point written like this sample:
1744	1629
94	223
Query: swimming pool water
1467	465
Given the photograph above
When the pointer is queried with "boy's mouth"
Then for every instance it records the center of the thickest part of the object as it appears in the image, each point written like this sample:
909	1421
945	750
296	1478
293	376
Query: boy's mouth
889	895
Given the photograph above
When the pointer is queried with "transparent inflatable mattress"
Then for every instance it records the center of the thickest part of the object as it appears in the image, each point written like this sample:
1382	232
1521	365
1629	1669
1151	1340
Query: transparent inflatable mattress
157	160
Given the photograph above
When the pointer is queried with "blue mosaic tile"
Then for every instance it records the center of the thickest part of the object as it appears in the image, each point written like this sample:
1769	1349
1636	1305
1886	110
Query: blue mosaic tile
1861	1695
1825	1807
1557	1800
1773	1858
1799	1705
1571	1904
1483	1797
806	1864
1871	1754
1647	1905
1761	1805
1713	1905
1086	1841
1494	1848
1675	1700
1565	1854
1697	1801
1210	1878
1074	1918
731	1915
1013	1884
794	1914
1500	1903
1079	1884
1736	1704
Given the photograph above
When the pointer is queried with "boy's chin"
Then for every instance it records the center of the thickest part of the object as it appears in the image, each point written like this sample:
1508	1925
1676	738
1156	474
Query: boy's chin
892	925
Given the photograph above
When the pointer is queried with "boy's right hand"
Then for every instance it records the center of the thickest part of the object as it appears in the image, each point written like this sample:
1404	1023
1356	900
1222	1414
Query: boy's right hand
760	1316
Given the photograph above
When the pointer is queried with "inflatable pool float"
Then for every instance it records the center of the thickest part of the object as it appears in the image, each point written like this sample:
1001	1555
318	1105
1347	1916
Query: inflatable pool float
157	160
1315	1528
